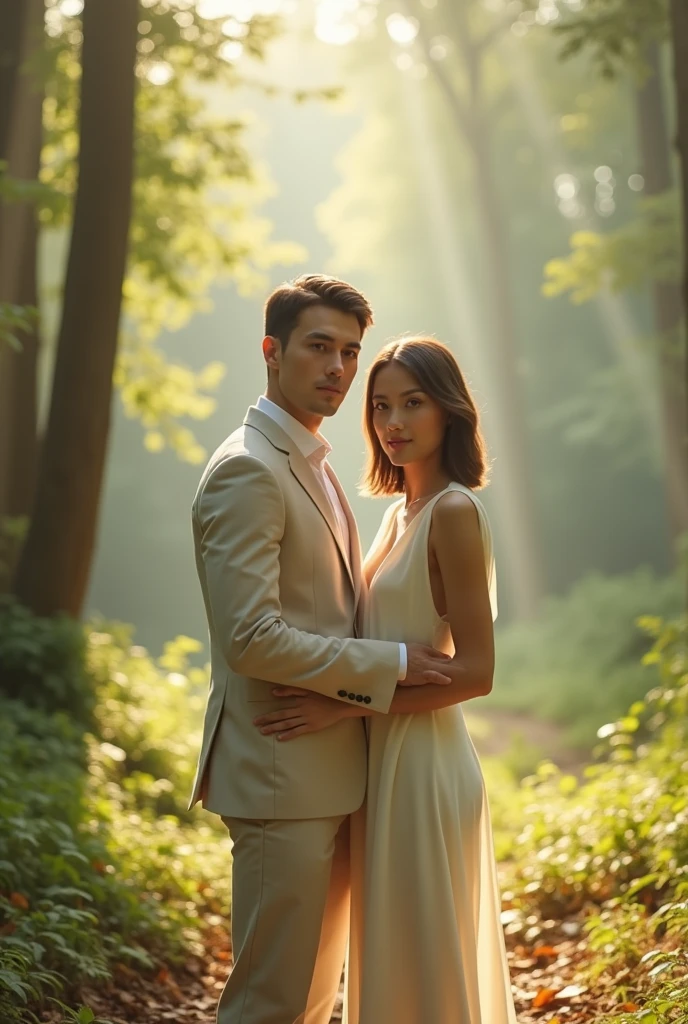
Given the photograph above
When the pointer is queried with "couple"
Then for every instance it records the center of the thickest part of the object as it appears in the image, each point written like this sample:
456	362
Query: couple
336	682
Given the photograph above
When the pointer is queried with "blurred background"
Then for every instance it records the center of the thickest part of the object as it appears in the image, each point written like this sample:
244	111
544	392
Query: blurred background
505	175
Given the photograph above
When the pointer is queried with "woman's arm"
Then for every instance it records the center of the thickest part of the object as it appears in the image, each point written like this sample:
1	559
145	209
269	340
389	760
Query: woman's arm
456	542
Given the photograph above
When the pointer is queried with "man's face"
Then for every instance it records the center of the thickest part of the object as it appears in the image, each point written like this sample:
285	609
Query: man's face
316	370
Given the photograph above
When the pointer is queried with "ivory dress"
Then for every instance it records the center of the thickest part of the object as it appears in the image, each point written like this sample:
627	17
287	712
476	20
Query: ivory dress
426	945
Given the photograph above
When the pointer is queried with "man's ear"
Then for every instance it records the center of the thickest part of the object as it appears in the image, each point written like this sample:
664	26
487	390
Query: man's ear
272	351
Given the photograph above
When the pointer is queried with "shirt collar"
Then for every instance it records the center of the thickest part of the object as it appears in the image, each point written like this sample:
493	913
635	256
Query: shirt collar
313	447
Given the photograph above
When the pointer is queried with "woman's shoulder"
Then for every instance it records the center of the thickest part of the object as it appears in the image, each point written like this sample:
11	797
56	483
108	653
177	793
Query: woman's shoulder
458	513
456	506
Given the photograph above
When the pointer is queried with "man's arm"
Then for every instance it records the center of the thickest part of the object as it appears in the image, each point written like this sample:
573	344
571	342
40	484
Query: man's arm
241	516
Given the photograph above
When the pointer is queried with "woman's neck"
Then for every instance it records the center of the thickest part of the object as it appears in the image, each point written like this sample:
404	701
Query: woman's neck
422	479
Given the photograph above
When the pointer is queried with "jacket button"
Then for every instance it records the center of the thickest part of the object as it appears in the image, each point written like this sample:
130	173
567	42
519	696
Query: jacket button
367	700
341	693
359	697
351	696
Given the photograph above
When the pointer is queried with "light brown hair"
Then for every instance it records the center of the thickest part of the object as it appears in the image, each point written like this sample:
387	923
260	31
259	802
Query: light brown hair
464	454
285	305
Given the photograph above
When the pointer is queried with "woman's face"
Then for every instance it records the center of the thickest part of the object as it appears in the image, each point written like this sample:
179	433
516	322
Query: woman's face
410	425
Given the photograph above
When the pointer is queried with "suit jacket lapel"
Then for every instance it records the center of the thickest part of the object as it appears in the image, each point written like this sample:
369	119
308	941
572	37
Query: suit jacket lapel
306	476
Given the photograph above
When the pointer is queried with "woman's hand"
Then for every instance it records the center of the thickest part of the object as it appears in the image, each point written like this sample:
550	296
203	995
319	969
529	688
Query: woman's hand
309	713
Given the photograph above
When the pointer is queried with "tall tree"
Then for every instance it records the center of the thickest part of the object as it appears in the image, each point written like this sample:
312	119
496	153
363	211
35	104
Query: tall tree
623	35
53	570
679	24
20	148
472	117
11	20
656	158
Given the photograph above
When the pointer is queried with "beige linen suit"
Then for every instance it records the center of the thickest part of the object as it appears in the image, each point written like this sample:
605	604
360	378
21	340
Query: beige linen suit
282	600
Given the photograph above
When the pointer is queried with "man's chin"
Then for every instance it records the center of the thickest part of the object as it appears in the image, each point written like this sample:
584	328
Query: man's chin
327	406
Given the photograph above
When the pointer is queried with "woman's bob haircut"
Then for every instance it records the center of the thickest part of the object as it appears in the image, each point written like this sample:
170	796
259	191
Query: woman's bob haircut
464	454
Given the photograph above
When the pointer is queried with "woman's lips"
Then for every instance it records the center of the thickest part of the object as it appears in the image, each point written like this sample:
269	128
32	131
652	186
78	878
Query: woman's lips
398	442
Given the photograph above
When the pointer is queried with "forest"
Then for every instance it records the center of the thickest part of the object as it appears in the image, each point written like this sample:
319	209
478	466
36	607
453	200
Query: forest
510	176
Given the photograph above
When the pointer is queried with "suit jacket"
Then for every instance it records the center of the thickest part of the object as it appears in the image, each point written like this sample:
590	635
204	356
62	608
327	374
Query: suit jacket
282	600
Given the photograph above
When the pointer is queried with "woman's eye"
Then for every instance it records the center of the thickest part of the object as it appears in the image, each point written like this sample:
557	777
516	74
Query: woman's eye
379	406
413	402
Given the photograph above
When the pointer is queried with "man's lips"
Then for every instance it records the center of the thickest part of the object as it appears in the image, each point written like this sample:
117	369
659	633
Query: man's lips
332	390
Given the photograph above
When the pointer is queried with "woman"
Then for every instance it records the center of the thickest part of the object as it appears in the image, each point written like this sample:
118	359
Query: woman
426	941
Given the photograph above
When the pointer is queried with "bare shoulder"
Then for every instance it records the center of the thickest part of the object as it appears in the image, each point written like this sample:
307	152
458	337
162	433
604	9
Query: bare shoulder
455	511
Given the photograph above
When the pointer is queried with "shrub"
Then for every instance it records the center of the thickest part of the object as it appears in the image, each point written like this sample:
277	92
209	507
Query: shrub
91	872
42	662
616	844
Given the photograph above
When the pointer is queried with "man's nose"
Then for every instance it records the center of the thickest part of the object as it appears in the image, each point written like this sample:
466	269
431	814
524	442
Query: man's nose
336	367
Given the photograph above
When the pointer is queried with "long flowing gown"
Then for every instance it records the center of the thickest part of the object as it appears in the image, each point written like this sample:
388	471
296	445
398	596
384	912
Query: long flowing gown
426	944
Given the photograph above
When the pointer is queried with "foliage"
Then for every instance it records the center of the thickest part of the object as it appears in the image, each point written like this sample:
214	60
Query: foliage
616	843
615	31
42	662
642	250
196	191
578	664
13	321
96	868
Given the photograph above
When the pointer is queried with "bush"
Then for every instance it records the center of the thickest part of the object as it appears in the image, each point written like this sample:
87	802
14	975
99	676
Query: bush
91	872
616	844
580	663
42	662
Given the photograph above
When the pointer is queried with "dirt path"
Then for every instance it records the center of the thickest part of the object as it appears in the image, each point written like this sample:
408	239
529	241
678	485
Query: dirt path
499	733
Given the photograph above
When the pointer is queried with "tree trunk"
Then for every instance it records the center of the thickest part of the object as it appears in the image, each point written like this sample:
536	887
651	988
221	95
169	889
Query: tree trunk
12	15
21	139
679	32
53	571
514	482
655	151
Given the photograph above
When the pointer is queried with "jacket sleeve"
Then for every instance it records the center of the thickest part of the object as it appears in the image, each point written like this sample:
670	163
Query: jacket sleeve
240	515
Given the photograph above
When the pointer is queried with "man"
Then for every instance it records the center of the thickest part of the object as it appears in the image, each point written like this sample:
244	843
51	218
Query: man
279	562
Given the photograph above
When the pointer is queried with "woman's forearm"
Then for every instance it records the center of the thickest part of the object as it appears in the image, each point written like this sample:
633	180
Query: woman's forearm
467	682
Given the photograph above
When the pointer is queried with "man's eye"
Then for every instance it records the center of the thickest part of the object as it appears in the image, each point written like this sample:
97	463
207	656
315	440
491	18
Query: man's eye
352	354
318	345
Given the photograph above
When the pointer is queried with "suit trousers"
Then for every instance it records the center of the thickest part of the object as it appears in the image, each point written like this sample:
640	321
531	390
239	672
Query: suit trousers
290	920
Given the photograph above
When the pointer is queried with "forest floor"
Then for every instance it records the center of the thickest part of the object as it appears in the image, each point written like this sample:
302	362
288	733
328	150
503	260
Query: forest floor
549	977
548	981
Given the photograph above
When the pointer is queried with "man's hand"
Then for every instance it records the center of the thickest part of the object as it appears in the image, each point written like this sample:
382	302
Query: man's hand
425	665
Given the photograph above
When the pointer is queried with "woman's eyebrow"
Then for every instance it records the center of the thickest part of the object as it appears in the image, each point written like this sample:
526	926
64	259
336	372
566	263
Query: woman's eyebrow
411	391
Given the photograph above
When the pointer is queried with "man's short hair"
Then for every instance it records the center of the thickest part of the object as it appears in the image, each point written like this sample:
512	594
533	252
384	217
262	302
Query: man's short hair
284	306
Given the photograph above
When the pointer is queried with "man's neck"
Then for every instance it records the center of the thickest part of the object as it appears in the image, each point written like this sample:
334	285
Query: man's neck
306	419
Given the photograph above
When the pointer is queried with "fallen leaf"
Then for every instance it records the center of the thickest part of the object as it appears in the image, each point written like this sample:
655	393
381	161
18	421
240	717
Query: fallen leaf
545	997
17	899
545	951
629	1007
162	976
